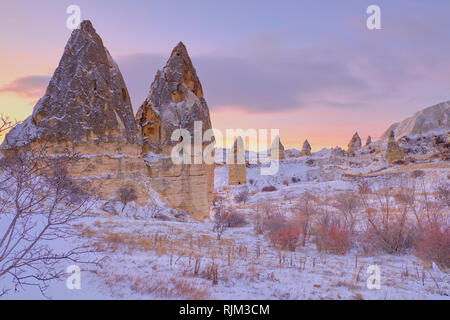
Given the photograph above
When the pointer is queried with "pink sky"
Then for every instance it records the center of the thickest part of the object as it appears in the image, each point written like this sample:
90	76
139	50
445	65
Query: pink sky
313	71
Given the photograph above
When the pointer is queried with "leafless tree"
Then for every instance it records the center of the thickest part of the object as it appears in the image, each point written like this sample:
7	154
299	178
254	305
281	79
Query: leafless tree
219	210
242	196
386	207
39	204
348	205
304	211
5	124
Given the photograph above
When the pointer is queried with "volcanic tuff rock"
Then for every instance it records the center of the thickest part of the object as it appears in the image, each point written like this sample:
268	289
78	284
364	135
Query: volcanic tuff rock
87	107
176	101
368	141
355	143
277	142
431	120
86	99
393	151
237	171
306	150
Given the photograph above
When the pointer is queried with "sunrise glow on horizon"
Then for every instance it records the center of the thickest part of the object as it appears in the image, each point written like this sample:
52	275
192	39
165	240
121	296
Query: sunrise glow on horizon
311	73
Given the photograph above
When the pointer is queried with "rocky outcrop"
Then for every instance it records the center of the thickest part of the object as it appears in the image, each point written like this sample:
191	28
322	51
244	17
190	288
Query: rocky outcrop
175	102
237	172
393	151
87	108
306	150
354	144
433	120
368	141
277	149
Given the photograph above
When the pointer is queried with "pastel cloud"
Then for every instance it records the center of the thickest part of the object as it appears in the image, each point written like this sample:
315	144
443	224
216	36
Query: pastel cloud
27	87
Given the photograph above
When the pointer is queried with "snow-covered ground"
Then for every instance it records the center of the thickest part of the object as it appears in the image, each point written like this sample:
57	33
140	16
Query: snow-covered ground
147	258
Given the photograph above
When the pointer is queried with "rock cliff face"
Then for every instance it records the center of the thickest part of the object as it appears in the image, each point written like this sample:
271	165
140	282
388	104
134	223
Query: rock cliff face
237	171
175	102
87	108
306	150
354	144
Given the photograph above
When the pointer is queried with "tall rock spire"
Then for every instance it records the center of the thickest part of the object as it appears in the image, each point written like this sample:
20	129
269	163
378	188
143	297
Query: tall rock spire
87	107
277	146
176	101
86	99
306	150
237	170
355	143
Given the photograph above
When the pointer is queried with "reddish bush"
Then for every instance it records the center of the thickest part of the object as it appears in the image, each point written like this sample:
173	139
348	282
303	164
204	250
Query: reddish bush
285	237
433	244
268	189
333	237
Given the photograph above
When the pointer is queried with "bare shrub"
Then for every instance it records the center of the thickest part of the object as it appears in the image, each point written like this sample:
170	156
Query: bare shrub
282	232
267	217
387	223
212	273
432	243
348	206
304	211
268	189
225	217
39	202
285	237
127	194
242	196
333	236
5	124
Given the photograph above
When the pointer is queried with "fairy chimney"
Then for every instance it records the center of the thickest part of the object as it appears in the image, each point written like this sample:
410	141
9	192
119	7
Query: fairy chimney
277	149
306	150
86	108
393	151
354	144
237	174
176	101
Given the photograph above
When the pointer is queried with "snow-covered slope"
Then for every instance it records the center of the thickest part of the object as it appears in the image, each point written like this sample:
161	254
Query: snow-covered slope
431	120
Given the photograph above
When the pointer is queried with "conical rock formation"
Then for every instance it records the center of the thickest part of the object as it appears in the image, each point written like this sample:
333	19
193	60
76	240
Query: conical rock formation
354	144
85	101
368	141
86	107
175	102
277	149
306	149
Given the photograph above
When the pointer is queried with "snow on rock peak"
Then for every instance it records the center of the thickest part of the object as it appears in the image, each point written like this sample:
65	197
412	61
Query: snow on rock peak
86	99
431	120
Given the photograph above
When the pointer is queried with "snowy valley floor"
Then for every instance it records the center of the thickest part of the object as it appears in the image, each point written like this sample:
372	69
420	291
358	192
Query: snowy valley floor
146	258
